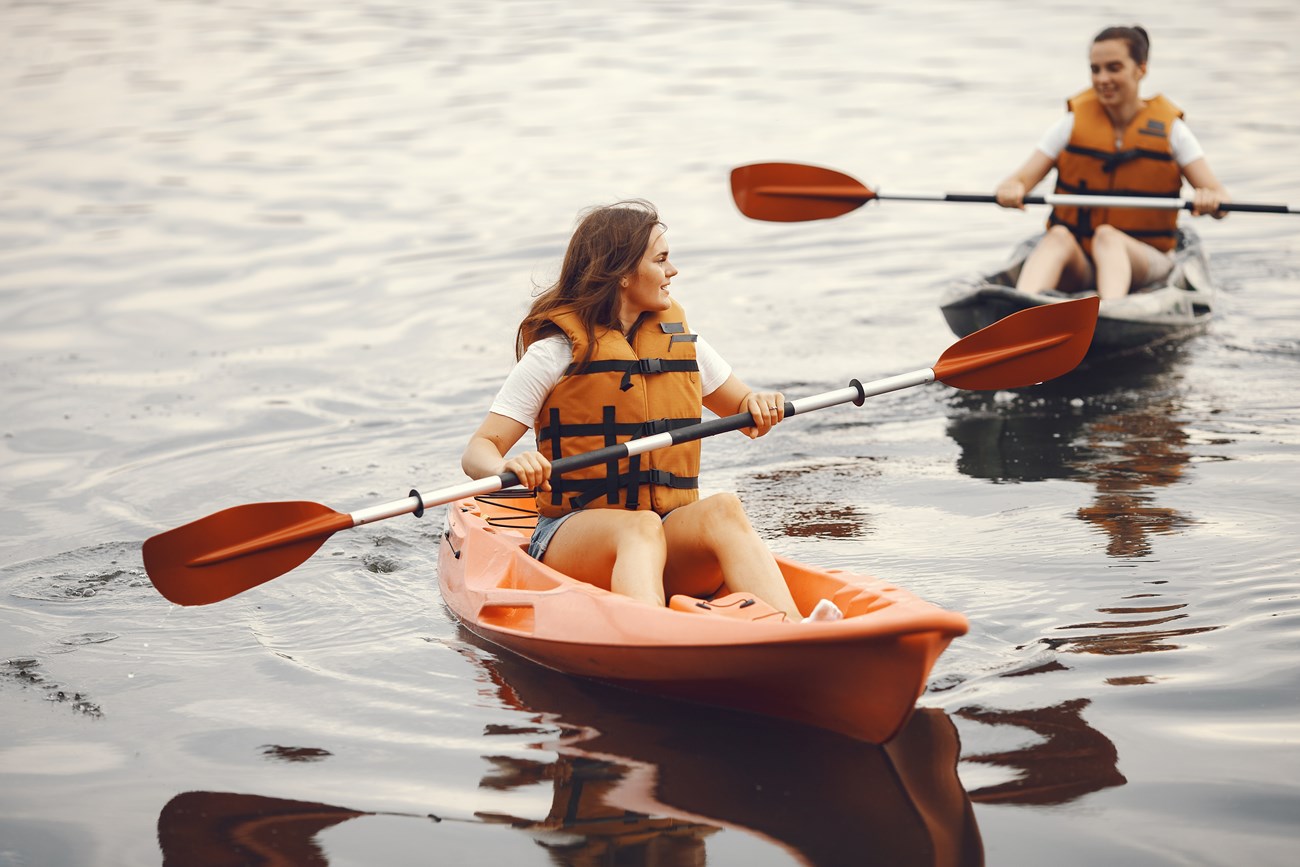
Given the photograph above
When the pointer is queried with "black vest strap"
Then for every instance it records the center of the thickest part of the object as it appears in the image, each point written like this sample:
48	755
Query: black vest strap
629	368
552	432
554	428
611	465
1084	190
1110	160
645	366
589	489
633	491
1084	229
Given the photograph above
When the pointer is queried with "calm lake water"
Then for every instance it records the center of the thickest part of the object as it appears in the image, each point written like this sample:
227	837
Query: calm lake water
252	254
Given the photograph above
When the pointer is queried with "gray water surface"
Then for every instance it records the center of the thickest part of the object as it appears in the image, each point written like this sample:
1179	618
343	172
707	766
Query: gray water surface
256	254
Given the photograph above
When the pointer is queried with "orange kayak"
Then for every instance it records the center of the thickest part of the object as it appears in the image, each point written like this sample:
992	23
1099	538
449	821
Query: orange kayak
859	676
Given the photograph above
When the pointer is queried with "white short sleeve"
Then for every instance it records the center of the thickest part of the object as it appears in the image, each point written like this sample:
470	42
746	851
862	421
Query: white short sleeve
525	389
1182	141
714	370
1056	138
537	373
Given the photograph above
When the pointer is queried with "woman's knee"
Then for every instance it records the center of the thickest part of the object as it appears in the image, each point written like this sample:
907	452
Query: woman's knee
1107	236
723	511
1056	247
642	528
1058	238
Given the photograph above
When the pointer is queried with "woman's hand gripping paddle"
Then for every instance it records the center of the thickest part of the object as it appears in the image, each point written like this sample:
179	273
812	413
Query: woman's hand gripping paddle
235	549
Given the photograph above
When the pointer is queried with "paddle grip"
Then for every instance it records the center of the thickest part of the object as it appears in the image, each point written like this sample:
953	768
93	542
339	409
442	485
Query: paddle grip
986	199
1256	208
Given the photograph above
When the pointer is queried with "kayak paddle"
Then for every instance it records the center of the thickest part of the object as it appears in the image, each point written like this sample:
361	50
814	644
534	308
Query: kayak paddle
793	192
238	548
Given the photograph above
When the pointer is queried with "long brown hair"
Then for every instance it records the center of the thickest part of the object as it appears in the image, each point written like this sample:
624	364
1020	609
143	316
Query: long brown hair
607	246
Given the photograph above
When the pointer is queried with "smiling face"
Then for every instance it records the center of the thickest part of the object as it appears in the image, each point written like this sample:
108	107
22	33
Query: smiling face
645	290
1115	75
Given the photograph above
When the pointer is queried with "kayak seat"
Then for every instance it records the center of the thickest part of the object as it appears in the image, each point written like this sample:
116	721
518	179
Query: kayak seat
737	606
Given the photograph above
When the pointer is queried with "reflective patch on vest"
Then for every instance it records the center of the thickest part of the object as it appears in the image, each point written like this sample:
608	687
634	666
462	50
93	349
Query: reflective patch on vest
1155	128
672	327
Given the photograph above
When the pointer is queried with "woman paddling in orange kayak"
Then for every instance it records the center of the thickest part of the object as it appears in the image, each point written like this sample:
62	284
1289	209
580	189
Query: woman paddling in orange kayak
605	355
1113	142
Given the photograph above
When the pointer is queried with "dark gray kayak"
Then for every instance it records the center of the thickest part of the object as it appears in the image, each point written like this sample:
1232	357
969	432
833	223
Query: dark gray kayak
1180	305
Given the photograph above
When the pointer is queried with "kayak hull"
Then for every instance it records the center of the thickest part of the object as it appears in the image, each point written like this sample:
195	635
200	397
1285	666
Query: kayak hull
859	676
1181	305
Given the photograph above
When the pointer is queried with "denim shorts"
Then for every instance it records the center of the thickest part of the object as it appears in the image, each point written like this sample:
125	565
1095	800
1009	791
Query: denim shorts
544	532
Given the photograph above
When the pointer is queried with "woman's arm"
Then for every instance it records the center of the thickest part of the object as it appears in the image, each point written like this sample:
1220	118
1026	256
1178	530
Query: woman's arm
733	396
1209	193
1011	192
485	454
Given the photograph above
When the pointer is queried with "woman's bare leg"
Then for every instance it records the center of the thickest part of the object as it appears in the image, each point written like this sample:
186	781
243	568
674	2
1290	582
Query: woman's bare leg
714	535
1123	262
615	549
1056	262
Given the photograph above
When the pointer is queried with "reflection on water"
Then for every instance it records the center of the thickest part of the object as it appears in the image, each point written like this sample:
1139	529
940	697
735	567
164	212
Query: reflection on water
656	760
1132	453
585	824
231	829
228	829
250	255
827	521
1070	759
799	516
1133	636
1118	428
638	781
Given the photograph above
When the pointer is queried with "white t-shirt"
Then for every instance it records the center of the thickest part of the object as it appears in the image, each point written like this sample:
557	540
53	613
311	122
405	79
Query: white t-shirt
532	379
1182	141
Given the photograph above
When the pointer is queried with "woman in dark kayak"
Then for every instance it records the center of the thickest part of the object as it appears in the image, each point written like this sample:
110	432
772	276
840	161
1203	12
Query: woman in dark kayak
605	355
1113	142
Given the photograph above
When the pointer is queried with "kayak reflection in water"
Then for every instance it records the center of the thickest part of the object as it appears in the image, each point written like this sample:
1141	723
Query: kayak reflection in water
1113	142
677	773
618	796
605	355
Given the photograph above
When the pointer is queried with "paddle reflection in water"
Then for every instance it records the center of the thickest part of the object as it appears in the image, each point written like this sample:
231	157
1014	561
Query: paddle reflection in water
679	772
1071	760
227	829
1118	428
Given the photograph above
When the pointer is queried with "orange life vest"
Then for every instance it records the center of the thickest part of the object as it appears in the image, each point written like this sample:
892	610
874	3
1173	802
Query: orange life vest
644	383
1142	165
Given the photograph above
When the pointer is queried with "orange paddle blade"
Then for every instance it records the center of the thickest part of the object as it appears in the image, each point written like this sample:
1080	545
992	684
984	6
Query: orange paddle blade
1025	348
230	551
792	192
